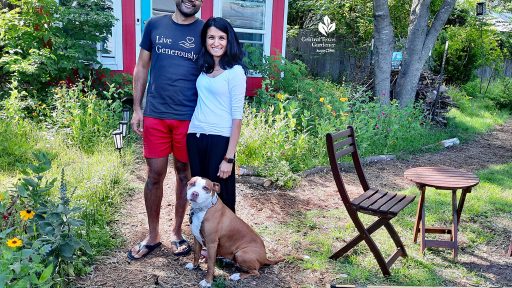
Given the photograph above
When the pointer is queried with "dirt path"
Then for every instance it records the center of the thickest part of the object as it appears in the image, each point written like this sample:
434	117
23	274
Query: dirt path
257	206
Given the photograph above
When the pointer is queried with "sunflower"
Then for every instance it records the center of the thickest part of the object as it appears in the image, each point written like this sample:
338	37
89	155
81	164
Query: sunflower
27	214
14	242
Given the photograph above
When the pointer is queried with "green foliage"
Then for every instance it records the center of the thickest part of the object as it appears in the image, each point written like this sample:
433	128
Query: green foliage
471	46
87	119
388	129
285	126
354	19
272	144
475	114
497	93
44	42
40	246
16	143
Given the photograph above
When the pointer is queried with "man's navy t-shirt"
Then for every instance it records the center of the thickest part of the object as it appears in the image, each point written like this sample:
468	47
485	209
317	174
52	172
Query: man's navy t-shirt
174	48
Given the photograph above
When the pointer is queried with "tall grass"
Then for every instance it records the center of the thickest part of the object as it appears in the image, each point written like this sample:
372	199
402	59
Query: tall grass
474	115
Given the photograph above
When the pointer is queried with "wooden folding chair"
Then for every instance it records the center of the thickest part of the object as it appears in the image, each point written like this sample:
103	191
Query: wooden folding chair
384	205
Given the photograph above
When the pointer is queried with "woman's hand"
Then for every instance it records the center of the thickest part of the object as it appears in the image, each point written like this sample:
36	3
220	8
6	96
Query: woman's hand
225	169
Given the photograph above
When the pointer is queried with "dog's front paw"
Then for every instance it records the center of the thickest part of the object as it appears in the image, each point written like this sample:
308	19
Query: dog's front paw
191	266
235	277
204	284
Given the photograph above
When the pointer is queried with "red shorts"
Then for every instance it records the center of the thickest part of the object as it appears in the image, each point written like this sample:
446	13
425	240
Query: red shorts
163	137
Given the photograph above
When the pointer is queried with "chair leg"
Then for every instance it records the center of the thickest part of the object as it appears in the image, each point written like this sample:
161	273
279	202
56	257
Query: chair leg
364	234
396	238
377	254
356	240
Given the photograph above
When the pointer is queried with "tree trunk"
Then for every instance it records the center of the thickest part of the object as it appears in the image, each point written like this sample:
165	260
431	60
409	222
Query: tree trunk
420	40
383	45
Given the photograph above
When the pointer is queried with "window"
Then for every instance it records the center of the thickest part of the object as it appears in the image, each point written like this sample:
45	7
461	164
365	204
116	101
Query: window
252	20
110	53
161	7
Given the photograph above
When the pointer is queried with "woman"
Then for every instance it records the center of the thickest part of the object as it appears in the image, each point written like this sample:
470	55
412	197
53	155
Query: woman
215	126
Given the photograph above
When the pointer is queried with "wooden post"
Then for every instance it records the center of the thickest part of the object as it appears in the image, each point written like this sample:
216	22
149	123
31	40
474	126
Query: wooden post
509	254
440	80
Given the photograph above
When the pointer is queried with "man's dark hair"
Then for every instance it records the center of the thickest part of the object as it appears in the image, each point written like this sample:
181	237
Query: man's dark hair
234	53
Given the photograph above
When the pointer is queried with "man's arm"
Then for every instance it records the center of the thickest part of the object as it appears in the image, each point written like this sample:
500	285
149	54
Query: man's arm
140	79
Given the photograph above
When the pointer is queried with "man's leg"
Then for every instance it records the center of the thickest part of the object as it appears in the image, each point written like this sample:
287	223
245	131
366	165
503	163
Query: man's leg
153	193
182	176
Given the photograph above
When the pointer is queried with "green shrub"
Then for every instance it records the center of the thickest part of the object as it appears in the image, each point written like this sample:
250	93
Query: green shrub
17	141
314	101
17	135
470	47
284	128
496	93
273	146
86	119
390	129
46	41
500	93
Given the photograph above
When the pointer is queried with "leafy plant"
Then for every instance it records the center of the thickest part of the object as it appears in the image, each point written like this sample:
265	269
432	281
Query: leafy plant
42	245
44	42
86	118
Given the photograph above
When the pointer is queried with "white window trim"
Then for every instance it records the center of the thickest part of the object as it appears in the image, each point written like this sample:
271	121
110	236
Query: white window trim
114	61
267	32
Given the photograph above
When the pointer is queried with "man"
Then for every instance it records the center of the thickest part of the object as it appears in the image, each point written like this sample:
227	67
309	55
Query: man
169	46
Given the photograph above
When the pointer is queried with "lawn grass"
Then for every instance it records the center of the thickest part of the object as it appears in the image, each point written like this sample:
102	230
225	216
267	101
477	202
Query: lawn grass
473	116
486	221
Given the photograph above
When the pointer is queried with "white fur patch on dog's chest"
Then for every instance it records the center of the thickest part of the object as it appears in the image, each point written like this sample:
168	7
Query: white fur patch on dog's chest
195	224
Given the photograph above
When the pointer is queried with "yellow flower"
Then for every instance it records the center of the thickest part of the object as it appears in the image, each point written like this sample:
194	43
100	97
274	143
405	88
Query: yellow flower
280	96
343	99
1	197
328	107
14	242
27	214
321	99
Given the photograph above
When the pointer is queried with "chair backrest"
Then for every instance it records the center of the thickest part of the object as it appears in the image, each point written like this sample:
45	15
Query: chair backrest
340	144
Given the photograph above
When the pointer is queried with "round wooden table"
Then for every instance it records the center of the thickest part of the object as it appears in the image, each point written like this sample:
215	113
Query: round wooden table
441	178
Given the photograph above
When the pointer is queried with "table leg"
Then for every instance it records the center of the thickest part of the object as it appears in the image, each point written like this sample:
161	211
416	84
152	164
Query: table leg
461	202
418	213
423	246
456	216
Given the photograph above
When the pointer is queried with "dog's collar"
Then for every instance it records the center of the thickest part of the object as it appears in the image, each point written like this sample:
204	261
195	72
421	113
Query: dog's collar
193	211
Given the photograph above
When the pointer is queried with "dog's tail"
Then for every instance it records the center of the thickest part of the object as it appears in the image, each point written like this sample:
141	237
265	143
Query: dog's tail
273	262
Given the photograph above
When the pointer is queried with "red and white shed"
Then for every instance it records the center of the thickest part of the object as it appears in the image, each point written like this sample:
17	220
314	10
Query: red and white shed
260	23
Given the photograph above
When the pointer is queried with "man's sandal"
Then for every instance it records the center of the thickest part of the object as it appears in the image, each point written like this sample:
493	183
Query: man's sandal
177	244
149	248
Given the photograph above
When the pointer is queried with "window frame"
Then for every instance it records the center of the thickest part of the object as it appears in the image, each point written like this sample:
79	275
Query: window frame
266	32
114	59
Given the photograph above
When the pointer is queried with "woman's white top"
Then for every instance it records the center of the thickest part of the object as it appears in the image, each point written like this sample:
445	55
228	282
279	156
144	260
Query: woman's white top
220	100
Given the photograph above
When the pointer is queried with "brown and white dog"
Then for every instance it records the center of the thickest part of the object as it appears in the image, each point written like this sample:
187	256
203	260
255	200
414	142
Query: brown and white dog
218	229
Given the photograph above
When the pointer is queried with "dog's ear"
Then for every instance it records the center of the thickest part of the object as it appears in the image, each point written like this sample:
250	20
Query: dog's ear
192	181
216	187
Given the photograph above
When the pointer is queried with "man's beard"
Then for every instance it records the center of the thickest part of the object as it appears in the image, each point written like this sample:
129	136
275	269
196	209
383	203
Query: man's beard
185	13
